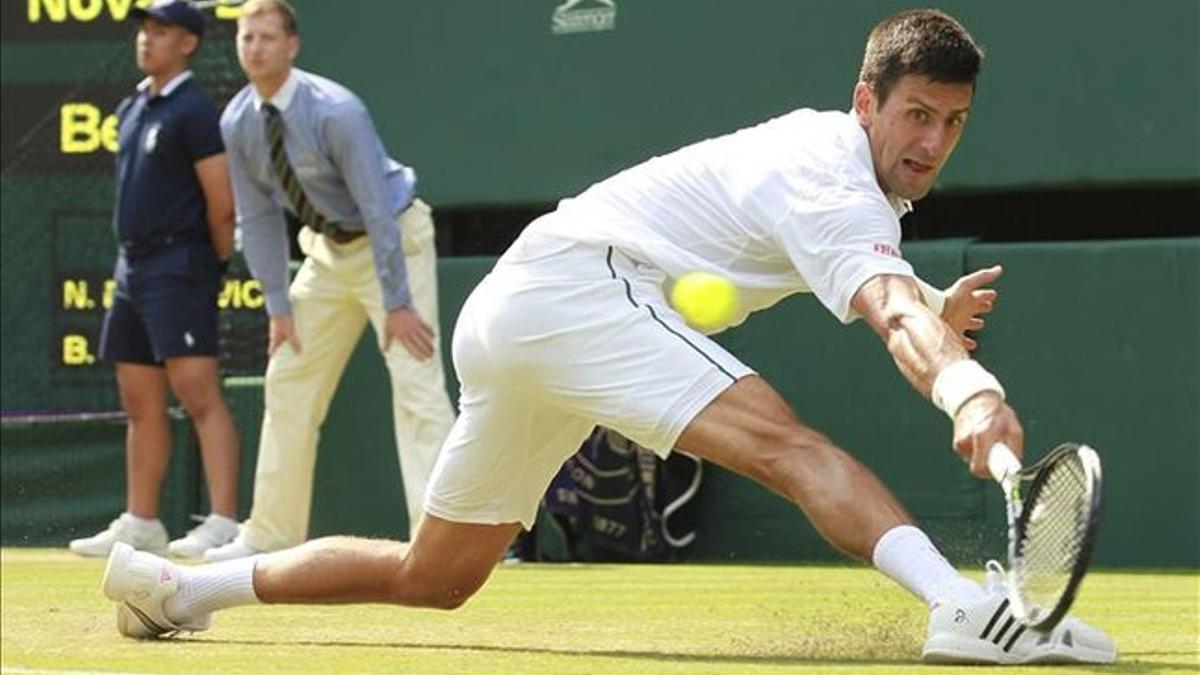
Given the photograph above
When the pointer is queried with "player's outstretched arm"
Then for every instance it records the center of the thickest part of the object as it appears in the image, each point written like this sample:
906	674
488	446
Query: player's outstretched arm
928	353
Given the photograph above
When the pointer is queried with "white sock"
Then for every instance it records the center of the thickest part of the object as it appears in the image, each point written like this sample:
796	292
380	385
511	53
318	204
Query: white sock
138	521
207	588
910	559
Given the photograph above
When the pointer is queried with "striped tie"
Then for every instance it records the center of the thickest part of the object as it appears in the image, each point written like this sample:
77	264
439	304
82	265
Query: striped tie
303	208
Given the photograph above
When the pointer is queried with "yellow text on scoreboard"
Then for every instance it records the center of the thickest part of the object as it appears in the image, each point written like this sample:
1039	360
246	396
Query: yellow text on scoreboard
84	128
85	11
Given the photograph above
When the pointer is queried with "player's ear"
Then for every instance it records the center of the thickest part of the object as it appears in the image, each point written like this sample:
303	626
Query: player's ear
864	103
293	46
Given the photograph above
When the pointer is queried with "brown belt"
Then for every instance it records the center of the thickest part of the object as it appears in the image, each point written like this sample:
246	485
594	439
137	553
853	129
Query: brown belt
344	236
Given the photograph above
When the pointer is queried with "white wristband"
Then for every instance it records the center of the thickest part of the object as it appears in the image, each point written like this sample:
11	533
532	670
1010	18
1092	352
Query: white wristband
959	381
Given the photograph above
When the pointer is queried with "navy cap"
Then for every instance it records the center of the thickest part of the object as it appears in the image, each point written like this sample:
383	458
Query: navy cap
176	12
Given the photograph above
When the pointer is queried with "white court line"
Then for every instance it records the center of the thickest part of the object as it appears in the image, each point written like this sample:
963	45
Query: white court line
18	670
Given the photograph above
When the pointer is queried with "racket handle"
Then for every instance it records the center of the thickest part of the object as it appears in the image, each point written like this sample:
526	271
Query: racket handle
1002	463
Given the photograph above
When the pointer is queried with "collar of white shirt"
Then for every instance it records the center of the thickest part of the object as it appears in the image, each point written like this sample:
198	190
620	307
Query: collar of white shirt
282	98
172	84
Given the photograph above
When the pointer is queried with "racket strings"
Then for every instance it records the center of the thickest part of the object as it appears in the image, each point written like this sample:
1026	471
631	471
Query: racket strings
1055	530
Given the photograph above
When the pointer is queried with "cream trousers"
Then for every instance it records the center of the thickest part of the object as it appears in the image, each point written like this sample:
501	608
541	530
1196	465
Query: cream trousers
333	296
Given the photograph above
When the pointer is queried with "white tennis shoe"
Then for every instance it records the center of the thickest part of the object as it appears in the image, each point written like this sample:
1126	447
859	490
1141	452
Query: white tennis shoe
238	548
987	632
140	584
140	534
213	531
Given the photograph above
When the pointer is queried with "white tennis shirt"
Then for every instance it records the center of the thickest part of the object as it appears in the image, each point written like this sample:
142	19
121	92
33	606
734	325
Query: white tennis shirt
790	205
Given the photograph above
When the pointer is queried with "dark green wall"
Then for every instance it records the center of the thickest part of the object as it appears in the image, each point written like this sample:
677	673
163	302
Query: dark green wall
1097	342
491	107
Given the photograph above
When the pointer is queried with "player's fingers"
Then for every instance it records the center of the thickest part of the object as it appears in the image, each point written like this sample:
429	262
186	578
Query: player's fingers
984	276
969	343
975	323
984	297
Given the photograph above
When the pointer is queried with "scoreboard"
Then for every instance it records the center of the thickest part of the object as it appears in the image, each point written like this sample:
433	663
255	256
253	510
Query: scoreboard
66	66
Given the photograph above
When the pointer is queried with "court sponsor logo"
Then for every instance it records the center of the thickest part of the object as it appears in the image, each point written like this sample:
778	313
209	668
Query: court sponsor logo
595	16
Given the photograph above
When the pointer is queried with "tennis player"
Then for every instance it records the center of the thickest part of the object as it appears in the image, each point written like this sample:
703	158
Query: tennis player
573	318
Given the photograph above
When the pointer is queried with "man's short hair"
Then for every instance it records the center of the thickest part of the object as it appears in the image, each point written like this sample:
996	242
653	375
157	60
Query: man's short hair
926	42
283	8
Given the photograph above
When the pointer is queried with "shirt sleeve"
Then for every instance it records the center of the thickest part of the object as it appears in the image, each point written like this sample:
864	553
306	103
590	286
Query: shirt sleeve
837	247
202	132
359	155
264	231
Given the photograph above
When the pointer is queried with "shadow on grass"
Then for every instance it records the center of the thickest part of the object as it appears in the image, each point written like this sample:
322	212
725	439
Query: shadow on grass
1131	662
673	657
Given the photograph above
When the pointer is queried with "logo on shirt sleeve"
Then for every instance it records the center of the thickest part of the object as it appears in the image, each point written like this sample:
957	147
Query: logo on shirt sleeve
887	249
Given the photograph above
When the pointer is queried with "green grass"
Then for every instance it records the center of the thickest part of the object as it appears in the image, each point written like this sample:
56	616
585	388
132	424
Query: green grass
570	619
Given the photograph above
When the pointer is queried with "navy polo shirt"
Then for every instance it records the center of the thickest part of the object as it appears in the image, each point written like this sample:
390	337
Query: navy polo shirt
161	137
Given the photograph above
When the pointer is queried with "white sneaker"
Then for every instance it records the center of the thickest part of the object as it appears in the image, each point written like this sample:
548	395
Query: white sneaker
140	583
238	548
986	632
213	531
126	529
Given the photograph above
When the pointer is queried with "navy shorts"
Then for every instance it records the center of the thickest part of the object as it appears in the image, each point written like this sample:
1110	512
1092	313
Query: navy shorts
165	305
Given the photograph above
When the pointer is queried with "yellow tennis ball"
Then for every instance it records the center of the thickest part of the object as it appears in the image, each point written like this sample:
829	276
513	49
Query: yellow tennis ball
705	300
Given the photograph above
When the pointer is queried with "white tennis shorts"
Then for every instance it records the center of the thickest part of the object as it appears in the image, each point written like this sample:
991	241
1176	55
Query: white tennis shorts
558	338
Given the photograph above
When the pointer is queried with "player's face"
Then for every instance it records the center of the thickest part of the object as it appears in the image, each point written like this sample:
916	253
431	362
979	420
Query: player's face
914	132
162	47
264	48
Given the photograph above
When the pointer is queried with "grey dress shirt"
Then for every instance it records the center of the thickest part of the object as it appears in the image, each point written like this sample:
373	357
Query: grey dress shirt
340	162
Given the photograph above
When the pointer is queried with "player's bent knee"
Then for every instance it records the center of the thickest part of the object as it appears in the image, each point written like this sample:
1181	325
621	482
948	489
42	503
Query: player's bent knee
414	586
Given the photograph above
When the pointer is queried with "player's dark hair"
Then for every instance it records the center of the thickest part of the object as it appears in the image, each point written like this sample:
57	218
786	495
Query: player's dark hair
926	42
283	8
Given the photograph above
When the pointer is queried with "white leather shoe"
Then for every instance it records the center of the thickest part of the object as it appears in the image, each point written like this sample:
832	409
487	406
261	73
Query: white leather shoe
238	548
987	632
140	584
139	534
213	531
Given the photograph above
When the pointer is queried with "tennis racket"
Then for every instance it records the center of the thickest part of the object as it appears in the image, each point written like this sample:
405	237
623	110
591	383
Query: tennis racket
1053	515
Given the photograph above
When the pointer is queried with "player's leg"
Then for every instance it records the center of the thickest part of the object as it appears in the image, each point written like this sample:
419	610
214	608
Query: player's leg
498	460
445	564
648	375
421	410
441	568
750	429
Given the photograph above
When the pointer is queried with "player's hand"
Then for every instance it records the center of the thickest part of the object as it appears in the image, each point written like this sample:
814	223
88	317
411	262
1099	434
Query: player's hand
281	330
967	300
407	328
984	420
